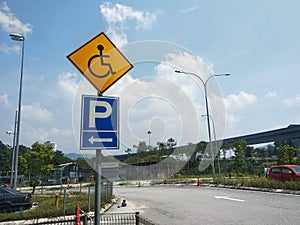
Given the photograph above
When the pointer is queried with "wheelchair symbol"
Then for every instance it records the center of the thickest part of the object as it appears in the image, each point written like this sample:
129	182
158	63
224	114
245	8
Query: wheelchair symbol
102	63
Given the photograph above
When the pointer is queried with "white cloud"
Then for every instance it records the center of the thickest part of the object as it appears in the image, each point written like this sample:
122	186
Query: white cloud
4	99
36	113
234	103
10	23
67	84
186	62
160	105
63	138
183	11
240	101
292	101
168	103
10	49
271	94
117	17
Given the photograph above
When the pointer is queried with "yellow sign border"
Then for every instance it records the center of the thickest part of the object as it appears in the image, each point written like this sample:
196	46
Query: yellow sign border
130	66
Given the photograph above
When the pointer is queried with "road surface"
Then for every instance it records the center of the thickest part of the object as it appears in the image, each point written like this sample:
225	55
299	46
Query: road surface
188	205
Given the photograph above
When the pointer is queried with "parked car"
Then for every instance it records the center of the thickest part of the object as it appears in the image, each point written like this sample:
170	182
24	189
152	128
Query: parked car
13	200
284	172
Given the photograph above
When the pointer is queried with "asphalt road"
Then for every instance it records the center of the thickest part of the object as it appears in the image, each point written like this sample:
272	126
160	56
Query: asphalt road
187	205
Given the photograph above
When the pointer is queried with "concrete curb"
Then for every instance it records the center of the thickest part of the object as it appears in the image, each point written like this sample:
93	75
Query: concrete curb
294	192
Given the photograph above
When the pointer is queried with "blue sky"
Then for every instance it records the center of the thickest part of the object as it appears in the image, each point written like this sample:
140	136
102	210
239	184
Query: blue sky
256	41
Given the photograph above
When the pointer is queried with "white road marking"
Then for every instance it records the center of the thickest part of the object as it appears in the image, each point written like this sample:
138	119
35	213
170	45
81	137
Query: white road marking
228	198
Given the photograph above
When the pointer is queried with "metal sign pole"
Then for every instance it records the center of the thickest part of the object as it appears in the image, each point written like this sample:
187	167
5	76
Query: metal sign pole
98	184
98	187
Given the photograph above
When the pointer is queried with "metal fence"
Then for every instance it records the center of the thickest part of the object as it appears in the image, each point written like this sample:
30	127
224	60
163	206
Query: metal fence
106	191
125	218
106	219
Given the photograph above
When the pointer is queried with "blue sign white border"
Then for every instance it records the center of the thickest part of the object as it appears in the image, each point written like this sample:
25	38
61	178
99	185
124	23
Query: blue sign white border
117	131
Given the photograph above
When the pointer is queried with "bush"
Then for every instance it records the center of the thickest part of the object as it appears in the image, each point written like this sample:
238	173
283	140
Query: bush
292	185
261	183
47	209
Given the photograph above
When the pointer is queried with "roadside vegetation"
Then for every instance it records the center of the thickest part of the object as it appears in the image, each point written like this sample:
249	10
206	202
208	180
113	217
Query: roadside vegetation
233	182
46	207
237	165
35	163
263	183
234	159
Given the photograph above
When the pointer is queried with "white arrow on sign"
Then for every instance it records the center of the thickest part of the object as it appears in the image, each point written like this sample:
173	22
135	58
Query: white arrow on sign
231	199
92	140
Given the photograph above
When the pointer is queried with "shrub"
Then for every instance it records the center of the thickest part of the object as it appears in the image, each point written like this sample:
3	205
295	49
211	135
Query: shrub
47	209
261	183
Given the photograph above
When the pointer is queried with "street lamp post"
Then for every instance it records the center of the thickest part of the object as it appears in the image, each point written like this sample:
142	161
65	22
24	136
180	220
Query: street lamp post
215	137
207	111
18	37
13	149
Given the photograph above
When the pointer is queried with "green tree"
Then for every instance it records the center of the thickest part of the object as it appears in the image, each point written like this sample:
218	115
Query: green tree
141	147
298	158
171	143
133	160
239	156
40	158
285	154
5	157
23	165
161	145
225	146
249	152
83	164
270	150
59	158
152	158
192	166
200	149
165	148
23	162
128	151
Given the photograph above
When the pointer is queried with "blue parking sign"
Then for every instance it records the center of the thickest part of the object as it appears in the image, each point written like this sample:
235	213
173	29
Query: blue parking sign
99	122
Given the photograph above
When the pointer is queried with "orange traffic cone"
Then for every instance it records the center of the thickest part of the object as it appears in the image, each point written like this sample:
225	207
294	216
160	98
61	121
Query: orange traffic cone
77	215
198	183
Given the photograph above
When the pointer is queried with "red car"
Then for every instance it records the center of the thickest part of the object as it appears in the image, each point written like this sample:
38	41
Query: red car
284	172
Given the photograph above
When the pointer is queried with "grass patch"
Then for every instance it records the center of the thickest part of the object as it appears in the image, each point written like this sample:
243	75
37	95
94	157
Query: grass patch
47	208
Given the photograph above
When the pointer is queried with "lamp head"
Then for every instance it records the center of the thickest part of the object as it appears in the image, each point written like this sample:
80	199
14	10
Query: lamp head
17	37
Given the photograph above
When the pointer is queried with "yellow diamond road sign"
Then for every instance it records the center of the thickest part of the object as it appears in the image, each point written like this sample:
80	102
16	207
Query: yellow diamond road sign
100	62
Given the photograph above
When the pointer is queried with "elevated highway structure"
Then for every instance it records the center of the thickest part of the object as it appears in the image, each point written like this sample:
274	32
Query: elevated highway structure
292	132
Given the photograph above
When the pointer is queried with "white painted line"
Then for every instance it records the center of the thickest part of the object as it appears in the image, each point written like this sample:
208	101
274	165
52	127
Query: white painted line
228	198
